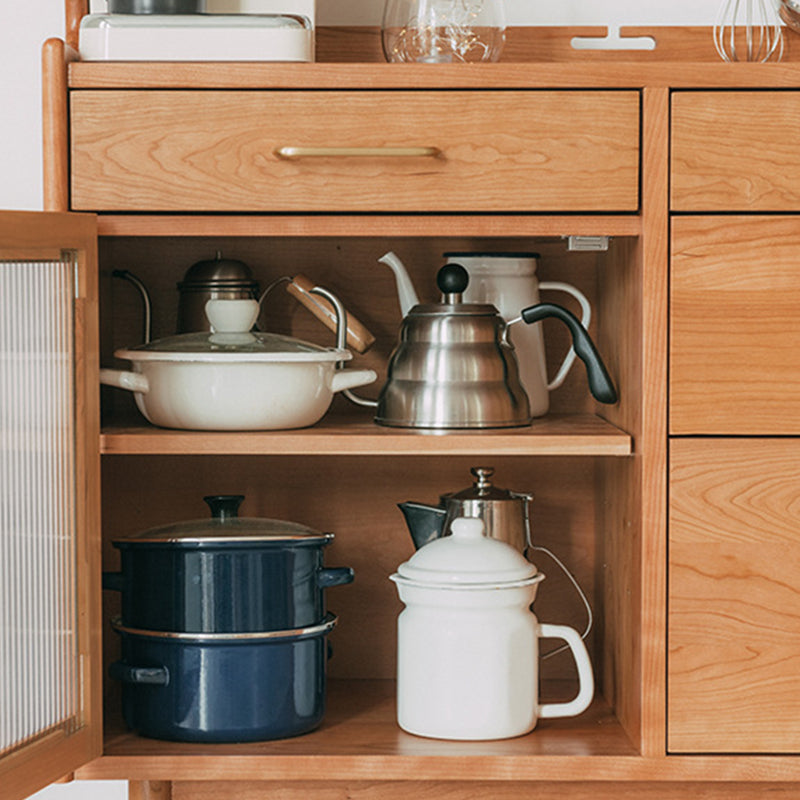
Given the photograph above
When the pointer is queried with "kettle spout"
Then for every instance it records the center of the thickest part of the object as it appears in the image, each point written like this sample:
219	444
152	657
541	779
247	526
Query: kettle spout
425	523
406	294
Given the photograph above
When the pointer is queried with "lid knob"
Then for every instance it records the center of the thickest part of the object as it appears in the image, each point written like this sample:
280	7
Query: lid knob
452	280
467	528
482	477
224	506
232	316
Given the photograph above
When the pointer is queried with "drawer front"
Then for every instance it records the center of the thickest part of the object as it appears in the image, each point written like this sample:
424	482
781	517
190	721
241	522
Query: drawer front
734	596
488	151
735	151
735	326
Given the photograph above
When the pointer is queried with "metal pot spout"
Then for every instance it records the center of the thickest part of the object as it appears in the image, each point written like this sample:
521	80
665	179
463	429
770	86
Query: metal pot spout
425	523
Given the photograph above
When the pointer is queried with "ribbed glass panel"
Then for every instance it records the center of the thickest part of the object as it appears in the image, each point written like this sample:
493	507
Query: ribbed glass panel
38	652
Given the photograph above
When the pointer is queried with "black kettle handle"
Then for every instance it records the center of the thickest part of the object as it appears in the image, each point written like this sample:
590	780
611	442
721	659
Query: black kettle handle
600	384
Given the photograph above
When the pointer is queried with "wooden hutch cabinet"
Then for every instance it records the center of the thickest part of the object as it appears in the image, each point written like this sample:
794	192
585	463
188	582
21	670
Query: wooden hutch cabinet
677	509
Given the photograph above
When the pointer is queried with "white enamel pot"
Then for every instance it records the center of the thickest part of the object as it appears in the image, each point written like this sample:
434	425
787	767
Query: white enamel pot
233	379
468	643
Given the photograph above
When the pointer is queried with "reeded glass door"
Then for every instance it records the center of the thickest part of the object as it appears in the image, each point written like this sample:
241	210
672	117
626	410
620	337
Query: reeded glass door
49	495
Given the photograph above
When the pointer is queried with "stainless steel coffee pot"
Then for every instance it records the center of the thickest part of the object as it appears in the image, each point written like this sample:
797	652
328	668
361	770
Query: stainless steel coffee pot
454	366
505	514
216	278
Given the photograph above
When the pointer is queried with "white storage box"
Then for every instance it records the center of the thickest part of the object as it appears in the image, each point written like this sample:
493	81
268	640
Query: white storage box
196	37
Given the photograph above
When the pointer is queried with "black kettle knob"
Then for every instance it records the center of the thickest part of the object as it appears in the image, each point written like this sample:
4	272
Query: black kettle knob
224	506
452	279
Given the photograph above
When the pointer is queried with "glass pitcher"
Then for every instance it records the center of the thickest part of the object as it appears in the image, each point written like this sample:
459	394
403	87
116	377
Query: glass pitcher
443	31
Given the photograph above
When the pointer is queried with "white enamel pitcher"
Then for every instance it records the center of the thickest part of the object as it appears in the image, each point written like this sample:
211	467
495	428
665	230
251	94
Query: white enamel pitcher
508	281
468	642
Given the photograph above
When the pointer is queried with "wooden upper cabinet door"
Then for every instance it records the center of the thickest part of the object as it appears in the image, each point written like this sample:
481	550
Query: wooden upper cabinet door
735	325
734	596
735	151
366	151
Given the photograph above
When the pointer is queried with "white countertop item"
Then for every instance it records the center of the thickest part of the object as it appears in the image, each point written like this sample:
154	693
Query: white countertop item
196	37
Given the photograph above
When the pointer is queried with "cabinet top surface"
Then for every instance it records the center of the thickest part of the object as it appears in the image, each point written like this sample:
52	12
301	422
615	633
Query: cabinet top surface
533	58
369	76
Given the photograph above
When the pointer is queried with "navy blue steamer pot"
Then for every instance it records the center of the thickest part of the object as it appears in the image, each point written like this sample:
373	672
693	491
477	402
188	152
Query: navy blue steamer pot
223	687
226	574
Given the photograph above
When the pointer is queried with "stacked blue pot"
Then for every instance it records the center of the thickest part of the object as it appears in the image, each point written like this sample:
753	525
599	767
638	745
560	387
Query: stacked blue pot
224	627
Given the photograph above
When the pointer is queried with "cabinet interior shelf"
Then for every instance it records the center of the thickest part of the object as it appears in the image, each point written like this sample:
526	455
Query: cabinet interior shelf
580	434
405	225
360	739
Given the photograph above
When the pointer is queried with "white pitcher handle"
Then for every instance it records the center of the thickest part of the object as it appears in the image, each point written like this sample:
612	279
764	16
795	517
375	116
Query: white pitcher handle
132	381
586	318
585	674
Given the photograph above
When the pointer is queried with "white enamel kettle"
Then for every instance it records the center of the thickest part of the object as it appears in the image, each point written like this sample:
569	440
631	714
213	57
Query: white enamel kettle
508	281
468	642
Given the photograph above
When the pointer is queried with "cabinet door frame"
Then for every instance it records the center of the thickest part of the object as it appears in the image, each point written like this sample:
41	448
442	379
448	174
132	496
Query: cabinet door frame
50	755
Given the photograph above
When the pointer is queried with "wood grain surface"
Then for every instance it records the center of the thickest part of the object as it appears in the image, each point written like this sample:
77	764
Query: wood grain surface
734	596
500	151
735	151
735	336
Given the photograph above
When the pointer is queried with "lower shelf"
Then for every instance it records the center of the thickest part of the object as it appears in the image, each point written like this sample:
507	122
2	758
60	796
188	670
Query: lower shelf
360	739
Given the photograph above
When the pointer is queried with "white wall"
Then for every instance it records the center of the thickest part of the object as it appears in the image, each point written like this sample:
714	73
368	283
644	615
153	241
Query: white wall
27	23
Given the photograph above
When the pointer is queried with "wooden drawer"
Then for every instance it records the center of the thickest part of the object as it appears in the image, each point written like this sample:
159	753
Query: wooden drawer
734	596
735	327
493	150
735	151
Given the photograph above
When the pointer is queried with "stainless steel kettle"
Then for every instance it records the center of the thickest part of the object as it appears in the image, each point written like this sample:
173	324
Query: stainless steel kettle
454	367
505	513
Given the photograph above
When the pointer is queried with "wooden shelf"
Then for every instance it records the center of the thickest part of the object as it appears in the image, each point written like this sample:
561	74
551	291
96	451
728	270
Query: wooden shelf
395	225
584	435
360	739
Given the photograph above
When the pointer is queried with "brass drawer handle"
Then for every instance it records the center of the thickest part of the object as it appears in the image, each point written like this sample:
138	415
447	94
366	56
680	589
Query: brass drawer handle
290	153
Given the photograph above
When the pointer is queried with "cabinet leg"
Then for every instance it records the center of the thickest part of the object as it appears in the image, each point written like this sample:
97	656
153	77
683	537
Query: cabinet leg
149	790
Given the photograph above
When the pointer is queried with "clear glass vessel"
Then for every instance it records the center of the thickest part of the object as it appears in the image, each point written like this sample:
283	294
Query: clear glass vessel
443	31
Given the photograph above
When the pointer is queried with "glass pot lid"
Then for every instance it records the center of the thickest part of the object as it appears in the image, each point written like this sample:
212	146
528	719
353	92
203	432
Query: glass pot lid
232	339
225	526
467	558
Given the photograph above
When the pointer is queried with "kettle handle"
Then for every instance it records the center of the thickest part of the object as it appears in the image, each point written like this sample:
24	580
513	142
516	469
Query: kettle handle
585	675
600	383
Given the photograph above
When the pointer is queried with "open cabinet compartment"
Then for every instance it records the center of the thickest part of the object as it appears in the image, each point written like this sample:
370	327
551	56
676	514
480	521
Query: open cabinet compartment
587	505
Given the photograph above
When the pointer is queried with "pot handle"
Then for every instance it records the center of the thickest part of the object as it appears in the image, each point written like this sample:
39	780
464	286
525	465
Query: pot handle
334	576
132	381
599	381
153	676
112	581
344	379
585	674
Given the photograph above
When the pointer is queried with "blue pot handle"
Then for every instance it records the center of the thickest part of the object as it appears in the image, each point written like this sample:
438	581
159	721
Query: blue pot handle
154	676
334	576
112	581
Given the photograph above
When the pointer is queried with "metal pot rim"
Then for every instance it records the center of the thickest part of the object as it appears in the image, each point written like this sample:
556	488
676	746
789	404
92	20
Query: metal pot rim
321	629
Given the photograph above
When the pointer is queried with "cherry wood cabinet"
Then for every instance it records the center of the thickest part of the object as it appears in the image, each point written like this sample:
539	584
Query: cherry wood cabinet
614	486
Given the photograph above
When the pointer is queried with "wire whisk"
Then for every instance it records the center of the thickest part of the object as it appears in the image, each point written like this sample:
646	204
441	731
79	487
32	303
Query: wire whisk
748	30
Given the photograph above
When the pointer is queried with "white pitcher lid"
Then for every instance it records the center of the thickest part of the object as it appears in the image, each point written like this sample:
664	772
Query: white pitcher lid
467	557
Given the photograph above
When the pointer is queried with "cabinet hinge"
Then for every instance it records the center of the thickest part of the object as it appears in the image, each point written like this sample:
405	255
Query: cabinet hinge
587	243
